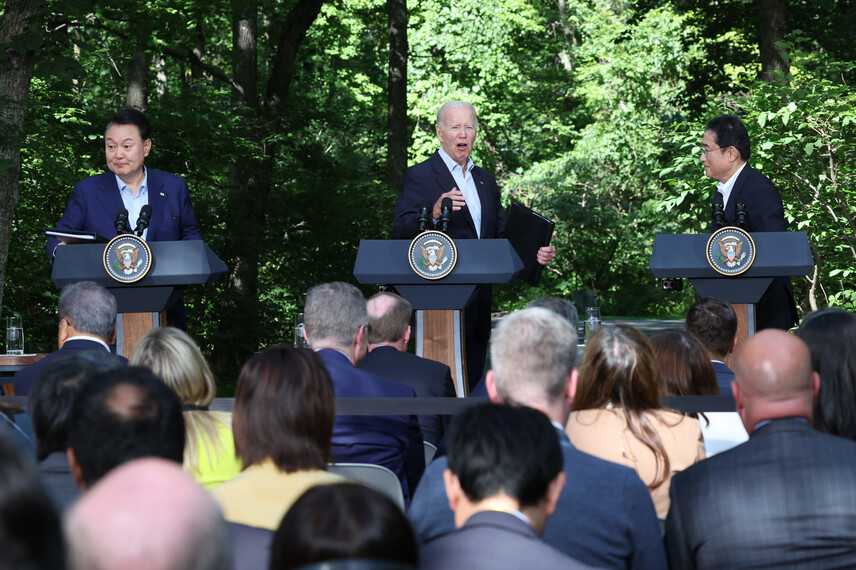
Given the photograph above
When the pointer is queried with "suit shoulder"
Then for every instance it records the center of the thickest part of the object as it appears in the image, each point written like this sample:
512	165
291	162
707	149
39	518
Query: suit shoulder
390	387
165	177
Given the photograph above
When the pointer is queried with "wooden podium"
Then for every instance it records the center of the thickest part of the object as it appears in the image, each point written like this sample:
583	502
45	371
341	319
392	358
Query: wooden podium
142	305
440	333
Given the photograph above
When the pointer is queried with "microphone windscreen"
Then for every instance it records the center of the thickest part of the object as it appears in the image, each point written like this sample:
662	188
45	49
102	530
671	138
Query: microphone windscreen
446	204
146	211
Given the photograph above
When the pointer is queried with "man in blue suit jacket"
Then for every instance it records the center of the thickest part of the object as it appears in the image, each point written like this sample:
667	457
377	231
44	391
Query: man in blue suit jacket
604	516
784	499
335	326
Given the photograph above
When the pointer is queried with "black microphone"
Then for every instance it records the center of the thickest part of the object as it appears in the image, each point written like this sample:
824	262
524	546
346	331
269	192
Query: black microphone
445	212
143	220
741	215
423	217
121	222
718	211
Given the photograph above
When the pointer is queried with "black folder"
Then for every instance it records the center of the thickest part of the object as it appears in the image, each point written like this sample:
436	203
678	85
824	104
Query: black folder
75	237
528	231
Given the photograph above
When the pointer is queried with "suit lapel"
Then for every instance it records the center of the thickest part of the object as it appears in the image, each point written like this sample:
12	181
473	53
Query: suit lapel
157	200
447	182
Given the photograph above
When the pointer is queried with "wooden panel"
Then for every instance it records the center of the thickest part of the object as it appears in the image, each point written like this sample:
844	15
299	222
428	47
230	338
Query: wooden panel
134	326
742	310
438	341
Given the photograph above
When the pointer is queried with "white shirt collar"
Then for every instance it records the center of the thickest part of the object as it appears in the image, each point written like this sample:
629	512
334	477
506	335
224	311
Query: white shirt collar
726	187
89	338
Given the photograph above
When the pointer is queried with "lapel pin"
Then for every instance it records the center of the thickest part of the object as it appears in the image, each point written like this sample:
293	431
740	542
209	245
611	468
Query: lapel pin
162	194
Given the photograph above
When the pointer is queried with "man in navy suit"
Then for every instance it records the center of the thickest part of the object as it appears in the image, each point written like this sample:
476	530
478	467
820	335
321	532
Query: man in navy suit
725	155
87	321
336	323
604	516
784	499
476	210
714	323
389	332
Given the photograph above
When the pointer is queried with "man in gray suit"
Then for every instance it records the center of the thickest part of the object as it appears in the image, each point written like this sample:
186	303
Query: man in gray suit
786	497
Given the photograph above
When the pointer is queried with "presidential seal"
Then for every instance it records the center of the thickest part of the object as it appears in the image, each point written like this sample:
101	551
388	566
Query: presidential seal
433	255
730	251
127	258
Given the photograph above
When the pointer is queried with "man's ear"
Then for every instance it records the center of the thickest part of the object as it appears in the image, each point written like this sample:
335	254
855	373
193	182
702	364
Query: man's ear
112	339
554	490
76	471
571	386
815	385
490	384
305	337
453	488
407	334
64	332
733	346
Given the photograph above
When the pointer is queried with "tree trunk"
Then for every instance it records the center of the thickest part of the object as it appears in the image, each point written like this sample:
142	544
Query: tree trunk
137	94
772	27
396	134
16	69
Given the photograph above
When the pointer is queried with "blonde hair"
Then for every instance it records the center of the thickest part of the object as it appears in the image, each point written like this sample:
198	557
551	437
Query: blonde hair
174	357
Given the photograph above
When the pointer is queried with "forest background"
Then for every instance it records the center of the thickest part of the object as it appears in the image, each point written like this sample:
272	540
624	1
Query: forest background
293	121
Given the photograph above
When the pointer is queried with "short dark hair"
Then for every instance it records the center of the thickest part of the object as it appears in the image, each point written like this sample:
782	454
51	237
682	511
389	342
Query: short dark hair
714	323
392	323
89	307
561	307
342	521
729	130
284	409
52	395
124	414
30	529
131	117
496	448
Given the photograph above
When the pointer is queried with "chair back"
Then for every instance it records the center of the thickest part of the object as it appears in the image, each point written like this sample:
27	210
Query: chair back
375	476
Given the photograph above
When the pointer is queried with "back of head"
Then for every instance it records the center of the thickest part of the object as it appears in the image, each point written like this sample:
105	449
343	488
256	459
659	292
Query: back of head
561	307
532	353
497	449
132	117
342	521
685	369
830	335
714	323
619	366
52	395
121	415
730	131
89	308
389	317
334	312
30	531
284	409
147	514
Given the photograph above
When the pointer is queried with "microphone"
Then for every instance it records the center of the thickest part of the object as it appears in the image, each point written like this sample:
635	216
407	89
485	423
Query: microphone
143	220
741	215
423	217
718	211
121	222
445	212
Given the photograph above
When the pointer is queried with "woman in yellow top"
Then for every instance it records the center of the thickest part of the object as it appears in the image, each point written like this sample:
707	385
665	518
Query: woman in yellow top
209	451
616	413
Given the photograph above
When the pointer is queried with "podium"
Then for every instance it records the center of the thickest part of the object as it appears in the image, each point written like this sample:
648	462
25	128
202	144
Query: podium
439	329
141	304
777	254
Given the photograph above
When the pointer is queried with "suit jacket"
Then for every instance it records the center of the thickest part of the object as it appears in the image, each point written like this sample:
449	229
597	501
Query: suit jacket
95	201
764	213
25	377
493	540
392	441
724	376
604	516
784	499
428	378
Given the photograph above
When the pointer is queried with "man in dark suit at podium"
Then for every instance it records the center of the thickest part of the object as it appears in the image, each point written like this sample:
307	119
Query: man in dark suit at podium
725	151
477	212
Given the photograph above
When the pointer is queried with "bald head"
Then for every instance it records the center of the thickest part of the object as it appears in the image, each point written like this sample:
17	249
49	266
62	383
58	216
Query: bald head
389	319
774	378
147	514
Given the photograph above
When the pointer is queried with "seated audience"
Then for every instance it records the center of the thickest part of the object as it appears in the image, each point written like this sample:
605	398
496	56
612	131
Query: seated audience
336	326
714	323
604	516
30	530
686	371
344	522
617	413
504	479
784	499
209	452
831	338
120	415
147	514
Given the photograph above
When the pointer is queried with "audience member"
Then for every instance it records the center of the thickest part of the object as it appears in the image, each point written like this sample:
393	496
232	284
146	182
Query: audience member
120	415
604	516
784	499
714	323
49	404
30	530
389	332
87	321
147	514
617	413
209	452
343	522
686	371
504	479
336	326
831	338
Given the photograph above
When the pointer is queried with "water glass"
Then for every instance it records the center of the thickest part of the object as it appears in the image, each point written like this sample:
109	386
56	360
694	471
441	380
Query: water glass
14	336
592	321
299	341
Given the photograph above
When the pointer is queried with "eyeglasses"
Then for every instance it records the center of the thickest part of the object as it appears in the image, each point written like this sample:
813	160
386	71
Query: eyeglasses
707	151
